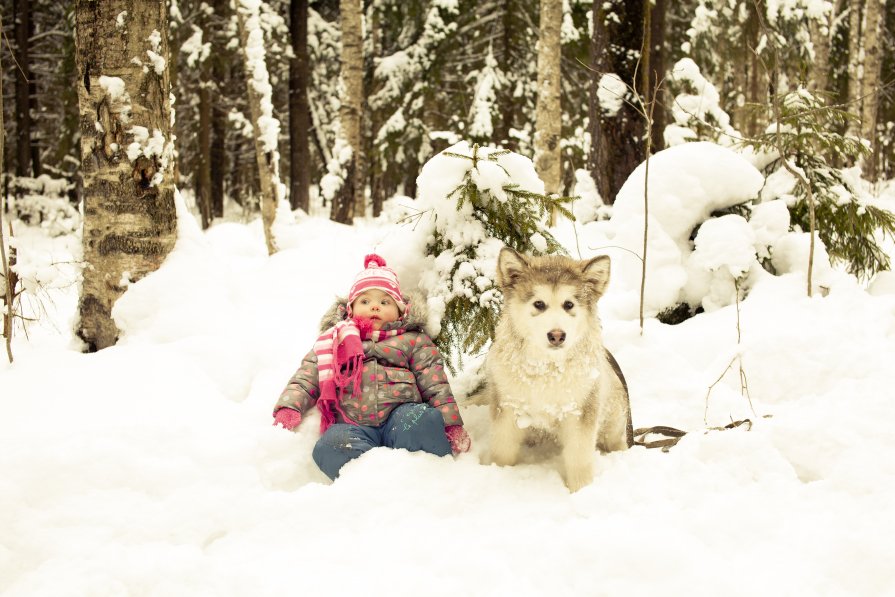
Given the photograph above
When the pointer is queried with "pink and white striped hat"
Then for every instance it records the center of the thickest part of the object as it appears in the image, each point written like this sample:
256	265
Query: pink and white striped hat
376	275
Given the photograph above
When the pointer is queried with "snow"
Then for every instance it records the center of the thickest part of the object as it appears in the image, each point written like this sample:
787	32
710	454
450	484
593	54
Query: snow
151	468
611	94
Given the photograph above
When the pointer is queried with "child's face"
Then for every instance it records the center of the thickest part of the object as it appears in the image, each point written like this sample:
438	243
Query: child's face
376	306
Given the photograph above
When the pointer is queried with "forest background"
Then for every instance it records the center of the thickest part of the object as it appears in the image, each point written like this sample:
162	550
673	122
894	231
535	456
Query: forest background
435	72
336	106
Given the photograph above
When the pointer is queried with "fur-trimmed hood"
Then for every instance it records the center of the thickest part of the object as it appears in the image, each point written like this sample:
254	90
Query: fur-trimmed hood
413	320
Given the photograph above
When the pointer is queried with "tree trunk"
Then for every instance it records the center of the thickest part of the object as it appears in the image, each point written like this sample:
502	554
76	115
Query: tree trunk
822	39
855	62
219	75
548	121
657	62
265	137
507	105
27	156
299	110
616	147
351	201
123	96
873	18
203	176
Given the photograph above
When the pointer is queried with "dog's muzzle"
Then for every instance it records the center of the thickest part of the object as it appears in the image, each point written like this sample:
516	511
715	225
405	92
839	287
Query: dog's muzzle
556	337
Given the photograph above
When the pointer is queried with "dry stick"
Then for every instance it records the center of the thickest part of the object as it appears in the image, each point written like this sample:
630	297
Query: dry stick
744	384
649	148
645	49
7	280
775	104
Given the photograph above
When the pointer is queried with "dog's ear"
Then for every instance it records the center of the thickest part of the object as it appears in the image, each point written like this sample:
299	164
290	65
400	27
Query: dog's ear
510	266
596	273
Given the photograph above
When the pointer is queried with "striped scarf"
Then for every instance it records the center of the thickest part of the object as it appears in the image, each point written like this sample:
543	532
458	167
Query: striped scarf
340	357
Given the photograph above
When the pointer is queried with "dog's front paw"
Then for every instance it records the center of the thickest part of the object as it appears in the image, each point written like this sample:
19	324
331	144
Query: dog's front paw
578	476
504	456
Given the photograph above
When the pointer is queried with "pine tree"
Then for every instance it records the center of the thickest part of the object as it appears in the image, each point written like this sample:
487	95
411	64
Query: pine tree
497	201
850	228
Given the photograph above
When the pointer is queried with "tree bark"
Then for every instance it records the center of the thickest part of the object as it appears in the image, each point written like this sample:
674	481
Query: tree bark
299	110
870	83
657	61
129	212
27	154
822	39
855	63
266	156
548	120
351	201
203	176
219	75
616	147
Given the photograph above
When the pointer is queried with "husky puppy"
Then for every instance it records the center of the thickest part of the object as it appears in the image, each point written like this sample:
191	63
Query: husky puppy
547	370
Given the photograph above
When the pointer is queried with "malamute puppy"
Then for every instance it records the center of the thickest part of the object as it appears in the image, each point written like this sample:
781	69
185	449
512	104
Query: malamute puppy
547	370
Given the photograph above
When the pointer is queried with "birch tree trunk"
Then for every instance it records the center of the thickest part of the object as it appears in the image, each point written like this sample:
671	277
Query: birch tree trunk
548	120
126	153
265	126
874	15
351	201
299	111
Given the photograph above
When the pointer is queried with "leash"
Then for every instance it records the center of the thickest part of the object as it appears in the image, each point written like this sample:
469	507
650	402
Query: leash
672	435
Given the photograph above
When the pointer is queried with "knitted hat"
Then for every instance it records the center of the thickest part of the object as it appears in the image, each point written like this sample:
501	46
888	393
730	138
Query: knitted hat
376	275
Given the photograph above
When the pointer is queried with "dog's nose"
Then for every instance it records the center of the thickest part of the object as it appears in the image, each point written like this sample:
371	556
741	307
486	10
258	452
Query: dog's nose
556	337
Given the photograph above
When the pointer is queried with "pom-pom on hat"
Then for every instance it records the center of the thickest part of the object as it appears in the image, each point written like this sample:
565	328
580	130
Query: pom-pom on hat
376	275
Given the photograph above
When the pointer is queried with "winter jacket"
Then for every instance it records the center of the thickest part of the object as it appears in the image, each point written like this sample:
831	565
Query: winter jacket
403	368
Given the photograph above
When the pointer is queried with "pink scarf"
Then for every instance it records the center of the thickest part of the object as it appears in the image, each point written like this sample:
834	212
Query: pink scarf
340	358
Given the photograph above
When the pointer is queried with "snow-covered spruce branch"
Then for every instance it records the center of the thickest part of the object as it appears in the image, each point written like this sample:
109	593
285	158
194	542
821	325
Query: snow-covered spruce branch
775	104
479	199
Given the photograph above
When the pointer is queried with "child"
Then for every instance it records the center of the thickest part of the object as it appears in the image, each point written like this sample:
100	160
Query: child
376	378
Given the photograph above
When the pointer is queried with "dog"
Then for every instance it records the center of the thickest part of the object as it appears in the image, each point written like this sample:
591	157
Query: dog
547	372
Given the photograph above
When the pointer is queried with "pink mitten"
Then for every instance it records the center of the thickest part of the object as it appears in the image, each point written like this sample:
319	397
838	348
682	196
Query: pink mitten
460	441
287	418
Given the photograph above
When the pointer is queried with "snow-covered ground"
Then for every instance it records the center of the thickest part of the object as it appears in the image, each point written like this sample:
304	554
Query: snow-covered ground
151	468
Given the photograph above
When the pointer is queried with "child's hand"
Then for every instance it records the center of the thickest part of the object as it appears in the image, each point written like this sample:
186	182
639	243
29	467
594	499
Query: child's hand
460	440
287	418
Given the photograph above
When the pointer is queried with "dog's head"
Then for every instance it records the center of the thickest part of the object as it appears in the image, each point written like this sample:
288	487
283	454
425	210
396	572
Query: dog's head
552	300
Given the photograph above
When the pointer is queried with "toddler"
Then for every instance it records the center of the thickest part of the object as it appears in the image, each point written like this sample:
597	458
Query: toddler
376	377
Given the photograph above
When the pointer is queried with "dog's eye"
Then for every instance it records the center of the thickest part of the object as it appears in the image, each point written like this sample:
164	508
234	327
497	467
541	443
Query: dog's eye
539	305
568	305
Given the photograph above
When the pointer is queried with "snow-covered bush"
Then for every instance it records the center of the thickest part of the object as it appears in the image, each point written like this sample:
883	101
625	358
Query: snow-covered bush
473	201
44	201
696	110
714	229
693	257
851	227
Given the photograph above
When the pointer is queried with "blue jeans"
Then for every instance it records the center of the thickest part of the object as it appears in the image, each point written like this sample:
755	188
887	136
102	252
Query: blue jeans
411	426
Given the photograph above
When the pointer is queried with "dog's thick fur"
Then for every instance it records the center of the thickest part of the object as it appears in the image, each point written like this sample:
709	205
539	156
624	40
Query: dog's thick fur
547	369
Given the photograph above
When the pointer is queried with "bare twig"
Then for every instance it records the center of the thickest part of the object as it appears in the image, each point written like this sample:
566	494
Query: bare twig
7	277
744	384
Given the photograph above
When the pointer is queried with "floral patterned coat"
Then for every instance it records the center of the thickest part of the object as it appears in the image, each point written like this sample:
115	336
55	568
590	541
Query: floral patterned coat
400	369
